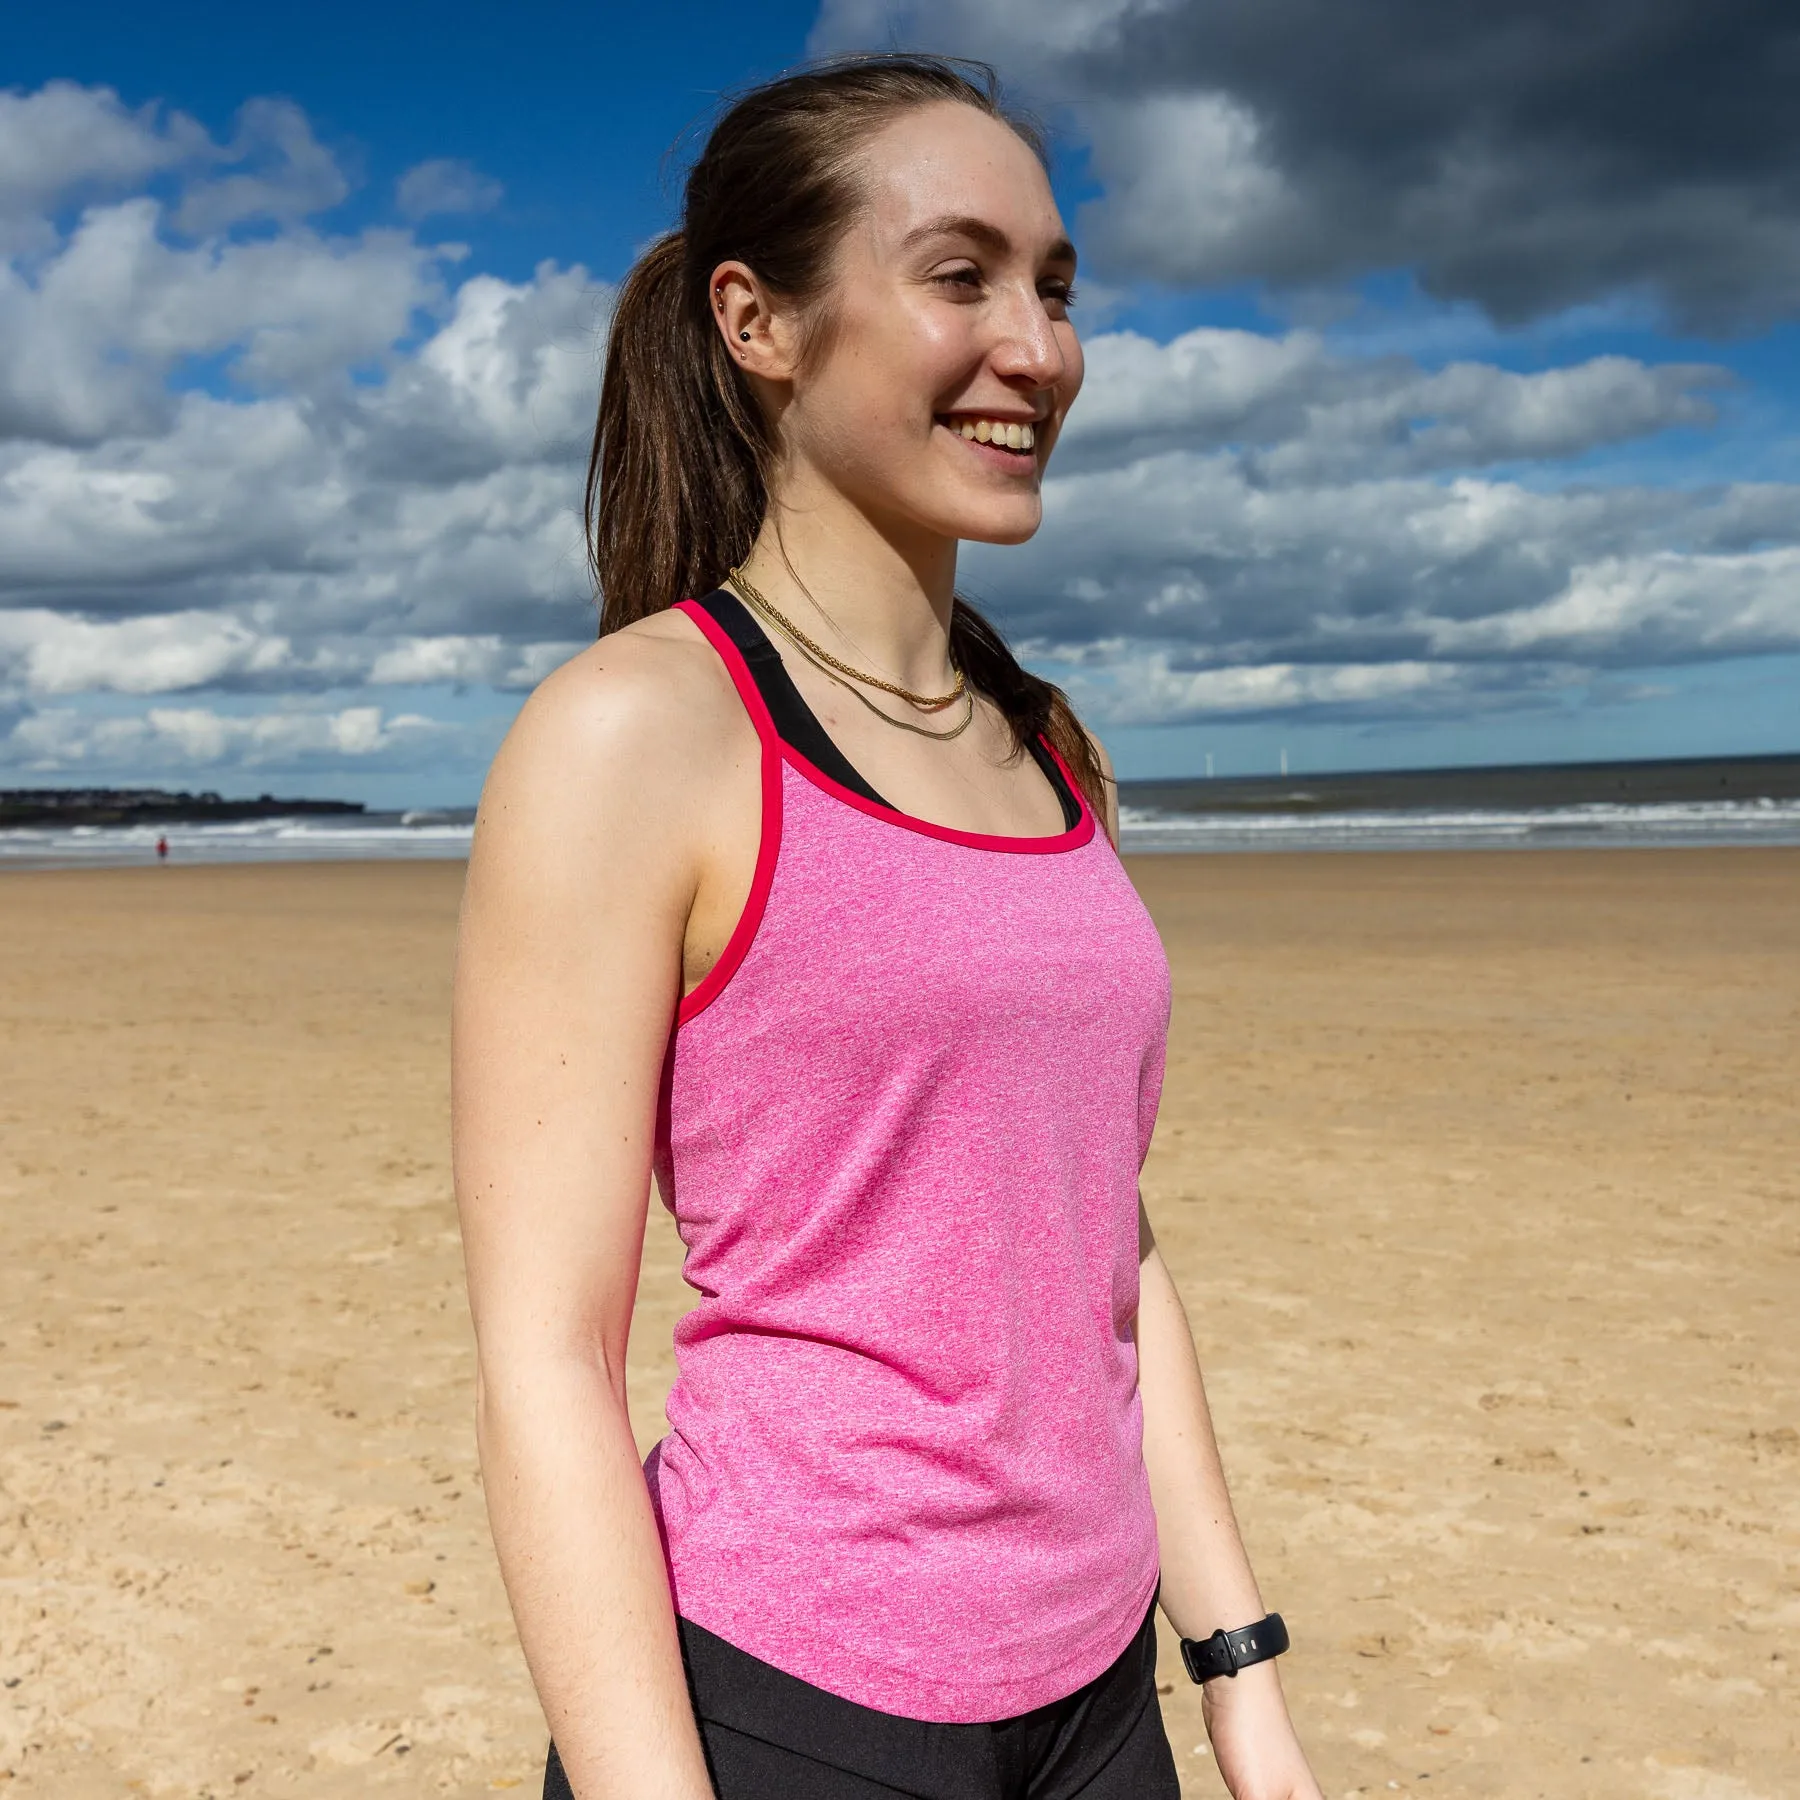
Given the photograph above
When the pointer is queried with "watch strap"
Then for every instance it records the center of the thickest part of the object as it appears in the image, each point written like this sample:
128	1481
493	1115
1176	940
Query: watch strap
1225	1652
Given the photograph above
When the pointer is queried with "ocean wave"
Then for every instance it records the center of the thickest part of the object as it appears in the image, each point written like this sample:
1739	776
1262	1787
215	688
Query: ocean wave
1598	824
371	837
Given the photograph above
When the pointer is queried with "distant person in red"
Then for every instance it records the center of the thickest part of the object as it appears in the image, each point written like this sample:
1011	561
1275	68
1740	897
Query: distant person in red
162	849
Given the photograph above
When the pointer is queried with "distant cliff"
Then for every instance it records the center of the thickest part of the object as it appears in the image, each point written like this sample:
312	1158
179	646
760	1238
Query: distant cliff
147	806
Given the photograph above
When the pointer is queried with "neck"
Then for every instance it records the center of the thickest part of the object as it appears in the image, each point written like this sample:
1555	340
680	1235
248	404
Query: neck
879	597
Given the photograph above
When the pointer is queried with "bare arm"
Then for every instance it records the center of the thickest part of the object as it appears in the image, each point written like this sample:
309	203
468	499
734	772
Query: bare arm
1207	1581
581	883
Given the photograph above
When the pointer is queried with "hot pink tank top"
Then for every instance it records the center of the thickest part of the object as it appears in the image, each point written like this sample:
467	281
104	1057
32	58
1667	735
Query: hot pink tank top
903	1122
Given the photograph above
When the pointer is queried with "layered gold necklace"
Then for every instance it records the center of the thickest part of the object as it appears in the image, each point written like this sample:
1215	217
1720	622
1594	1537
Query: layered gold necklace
829	665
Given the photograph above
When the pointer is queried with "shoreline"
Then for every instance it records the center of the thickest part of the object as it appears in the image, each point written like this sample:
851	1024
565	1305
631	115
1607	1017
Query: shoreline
1136	844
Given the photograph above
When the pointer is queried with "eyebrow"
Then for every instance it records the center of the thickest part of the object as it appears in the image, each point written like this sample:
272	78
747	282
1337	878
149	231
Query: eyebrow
979	231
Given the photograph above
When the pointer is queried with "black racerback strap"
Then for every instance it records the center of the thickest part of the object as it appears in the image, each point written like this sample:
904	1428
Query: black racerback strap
798	725
795	722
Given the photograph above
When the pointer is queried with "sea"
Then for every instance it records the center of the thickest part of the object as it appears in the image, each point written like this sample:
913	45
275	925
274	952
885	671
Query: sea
1641	805
329	837
1661	804
1587	827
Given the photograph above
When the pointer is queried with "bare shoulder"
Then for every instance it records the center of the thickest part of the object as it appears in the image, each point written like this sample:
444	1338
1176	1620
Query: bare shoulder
636	690
623	747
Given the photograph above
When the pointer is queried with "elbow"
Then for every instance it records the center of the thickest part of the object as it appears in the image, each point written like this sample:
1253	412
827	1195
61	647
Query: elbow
521	1387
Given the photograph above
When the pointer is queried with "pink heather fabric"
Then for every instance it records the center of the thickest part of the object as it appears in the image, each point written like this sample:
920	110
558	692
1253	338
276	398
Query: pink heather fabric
902	1133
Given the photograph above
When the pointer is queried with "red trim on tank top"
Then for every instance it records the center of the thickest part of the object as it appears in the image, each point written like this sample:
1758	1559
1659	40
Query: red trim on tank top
768	848
1072	839
774	752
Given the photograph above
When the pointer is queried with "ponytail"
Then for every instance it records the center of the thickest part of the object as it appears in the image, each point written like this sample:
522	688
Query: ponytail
675	483
678	477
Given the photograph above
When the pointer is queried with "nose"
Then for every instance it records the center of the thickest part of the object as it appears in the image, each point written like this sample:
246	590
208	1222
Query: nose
1027	353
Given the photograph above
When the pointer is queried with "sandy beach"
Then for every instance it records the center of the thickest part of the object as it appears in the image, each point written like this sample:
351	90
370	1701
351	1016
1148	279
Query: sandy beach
1480	1173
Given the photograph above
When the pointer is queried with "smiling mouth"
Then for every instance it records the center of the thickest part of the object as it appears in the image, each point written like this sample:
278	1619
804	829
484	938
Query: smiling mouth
1013	436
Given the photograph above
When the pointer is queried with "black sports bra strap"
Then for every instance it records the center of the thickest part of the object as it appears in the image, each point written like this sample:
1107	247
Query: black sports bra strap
1059	782
797	724
795	721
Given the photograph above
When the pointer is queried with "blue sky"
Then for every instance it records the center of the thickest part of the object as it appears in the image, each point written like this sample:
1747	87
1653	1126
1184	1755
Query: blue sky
570	108
1372	467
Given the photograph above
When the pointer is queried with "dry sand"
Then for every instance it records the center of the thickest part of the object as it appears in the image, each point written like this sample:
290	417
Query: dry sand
1480	1174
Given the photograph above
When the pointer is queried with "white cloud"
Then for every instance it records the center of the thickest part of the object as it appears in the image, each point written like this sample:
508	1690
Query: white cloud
90	336
291	175
446	493
65	140
489	660
1187	557
1658	604
1126	688
511	375
445	185
47	653
1192	182
1311	414
178	739
287	470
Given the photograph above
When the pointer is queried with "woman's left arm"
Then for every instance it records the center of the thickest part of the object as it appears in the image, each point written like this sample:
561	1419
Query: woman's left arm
1207	1583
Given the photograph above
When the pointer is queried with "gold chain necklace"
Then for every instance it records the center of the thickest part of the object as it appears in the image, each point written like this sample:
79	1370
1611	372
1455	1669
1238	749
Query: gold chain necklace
819	654
887	718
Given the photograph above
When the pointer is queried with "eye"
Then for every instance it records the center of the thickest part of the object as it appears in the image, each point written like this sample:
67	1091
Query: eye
966	277
1058	293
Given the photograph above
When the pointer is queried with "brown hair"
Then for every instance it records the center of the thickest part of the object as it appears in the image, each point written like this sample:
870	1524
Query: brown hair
677	483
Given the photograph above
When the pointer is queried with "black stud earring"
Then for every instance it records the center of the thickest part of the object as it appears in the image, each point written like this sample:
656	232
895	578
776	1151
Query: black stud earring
745	336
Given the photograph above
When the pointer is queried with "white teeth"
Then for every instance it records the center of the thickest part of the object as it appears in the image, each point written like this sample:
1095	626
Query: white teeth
996	431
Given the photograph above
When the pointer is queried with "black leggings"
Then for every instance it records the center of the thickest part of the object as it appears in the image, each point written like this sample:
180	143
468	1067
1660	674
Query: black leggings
771	1736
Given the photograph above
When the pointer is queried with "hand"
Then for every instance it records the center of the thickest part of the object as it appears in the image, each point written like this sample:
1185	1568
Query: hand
1253	1738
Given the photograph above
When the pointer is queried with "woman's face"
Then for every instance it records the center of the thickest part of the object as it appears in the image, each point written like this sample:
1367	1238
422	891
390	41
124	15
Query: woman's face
948	337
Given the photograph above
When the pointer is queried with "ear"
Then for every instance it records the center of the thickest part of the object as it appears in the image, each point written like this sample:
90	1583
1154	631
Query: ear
759	336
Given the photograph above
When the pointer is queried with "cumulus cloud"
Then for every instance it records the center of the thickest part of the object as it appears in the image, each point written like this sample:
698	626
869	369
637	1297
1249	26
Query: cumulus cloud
1651	607
1239	522
198	738
254	463
266	490
445	185
49	653
1177	586
1239	525
466	661
1124	686
279	171
1526	158
91	334
1307	413
65	141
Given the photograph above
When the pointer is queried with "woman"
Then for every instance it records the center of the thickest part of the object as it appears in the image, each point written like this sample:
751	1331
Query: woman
790	892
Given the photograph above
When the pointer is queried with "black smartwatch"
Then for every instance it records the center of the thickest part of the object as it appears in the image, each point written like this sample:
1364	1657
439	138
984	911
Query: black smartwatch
1225	1652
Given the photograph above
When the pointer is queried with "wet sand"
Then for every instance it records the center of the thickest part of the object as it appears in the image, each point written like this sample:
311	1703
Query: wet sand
1481	1175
